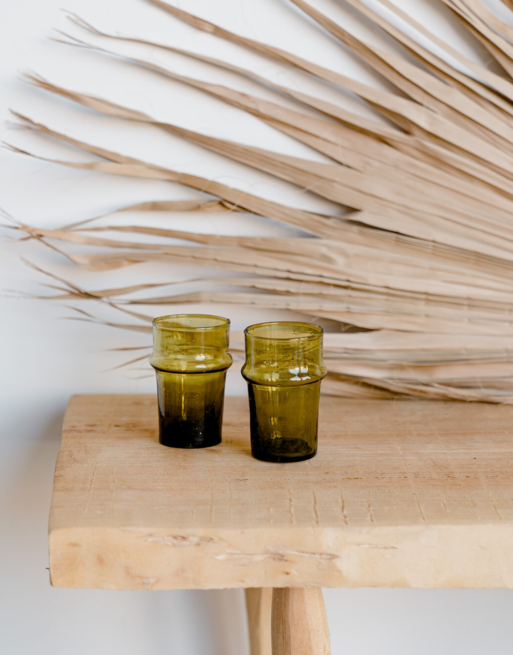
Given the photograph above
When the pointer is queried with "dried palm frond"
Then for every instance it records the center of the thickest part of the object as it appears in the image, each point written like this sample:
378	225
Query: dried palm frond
417	267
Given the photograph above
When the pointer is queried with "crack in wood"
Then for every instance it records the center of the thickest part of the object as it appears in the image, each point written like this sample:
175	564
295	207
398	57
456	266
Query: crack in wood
179	541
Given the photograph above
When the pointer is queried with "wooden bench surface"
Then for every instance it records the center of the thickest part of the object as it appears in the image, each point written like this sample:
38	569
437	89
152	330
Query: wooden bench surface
413	494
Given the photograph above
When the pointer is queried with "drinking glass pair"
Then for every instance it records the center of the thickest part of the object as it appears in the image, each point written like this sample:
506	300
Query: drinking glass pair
283	369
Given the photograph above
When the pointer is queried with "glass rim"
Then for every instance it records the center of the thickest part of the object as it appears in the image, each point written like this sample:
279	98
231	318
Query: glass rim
317	331
159	322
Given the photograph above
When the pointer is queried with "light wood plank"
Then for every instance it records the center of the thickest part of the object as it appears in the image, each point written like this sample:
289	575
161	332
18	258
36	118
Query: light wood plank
299	622
414	494
258	605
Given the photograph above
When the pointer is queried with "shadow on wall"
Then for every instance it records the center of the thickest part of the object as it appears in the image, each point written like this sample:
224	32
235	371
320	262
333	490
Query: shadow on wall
37	618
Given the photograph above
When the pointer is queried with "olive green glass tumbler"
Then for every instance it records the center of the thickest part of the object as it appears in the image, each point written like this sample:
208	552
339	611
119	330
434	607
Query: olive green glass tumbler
190	356
284	369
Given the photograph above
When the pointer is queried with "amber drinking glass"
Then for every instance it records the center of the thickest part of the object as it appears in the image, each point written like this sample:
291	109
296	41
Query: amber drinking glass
284	369
190	357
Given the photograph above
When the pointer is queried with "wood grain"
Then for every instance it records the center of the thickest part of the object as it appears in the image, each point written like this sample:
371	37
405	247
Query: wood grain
299	622
258	605
413	494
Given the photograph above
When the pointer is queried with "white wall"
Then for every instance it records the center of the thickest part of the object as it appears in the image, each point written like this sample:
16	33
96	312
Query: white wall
45	358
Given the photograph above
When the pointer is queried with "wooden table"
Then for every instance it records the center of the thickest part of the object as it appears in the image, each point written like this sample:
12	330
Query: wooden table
409	494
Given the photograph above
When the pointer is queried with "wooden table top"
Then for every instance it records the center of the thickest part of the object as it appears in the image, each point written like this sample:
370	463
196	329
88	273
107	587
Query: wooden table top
401	493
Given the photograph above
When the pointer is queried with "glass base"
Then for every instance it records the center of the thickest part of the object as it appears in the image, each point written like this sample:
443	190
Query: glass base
186	434
283	422
268	456
190	408
282	451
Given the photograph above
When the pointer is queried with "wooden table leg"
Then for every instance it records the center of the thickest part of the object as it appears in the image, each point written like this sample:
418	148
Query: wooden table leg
299	623
258	605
